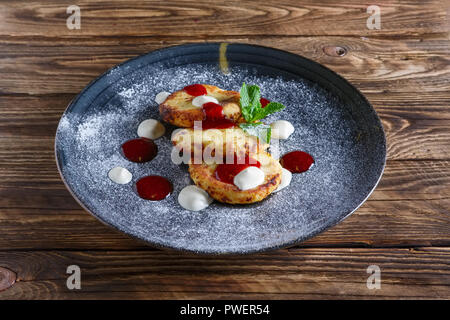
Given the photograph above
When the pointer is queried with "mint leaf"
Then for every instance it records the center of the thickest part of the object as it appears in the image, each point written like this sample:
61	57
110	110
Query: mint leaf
250	104
245	98
255	95
246	105
270	108
258	129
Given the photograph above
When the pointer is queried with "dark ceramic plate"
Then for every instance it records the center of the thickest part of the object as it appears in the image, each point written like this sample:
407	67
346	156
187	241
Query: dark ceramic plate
333	122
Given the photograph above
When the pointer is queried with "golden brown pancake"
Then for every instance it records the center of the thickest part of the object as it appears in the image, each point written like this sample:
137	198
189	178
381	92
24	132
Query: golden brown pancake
178	109
235	139
204	177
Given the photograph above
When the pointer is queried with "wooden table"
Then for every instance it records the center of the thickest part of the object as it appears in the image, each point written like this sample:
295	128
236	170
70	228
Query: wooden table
404	228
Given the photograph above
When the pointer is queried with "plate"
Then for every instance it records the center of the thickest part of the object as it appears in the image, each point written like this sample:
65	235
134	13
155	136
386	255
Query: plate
332	119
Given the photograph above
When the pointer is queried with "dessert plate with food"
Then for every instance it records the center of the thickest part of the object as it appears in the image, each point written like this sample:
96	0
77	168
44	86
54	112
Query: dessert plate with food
220	148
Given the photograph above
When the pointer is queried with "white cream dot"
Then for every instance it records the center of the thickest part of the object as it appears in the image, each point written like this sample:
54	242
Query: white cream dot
120	175
194	198
286	177
281	129
249	178
161	97
151	129
201	100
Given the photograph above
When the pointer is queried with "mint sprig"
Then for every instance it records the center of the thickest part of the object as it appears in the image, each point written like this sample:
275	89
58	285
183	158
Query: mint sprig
253	111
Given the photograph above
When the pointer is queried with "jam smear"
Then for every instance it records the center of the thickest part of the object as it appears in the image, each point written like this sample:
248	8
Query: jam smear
217	124
226	172
264	102
195	90
139	150
297	161
213	111
153	188
214	117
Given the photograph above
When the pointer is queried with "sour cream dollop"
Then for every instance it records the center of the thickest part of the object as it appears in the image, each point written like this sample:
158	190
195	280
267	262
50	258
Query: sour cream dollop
249	178
286	177
201	100
151	129
281	129
120	175
194	198
161	97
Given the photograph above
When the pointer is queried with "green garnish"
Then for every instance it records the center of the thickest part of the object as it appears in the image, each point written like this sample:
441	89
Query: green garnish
252	111
270	108
258	129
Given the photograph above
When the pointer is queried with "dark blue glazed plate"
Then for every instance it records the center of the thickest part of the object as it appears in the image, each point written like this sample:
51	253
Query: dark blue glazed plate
333	122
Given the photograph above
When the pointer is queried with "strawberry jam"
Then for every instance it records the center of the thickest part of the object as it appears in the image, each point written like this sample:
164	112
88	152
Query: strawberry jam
139	150
264	102
153	188
214	117
226	172
195	90
297	161
213	111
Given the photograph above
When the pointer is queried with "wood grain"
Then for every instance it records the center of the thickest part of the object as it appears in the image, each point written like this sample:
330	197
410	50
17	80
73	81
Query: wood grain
203	18
63	65
283	274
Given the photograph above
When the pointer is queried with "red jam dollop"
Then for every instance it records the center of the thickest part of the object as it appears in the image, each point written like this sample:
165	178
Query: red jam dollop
226	172
195	90
264	102
139	150
153	188
214	117
297	161
213	111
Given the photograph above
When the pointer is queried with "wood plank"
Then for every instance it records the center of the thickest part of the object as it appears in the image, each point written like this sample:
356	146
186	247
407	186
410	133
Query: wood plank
283	274
410	207
206	18
423	106
55	65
